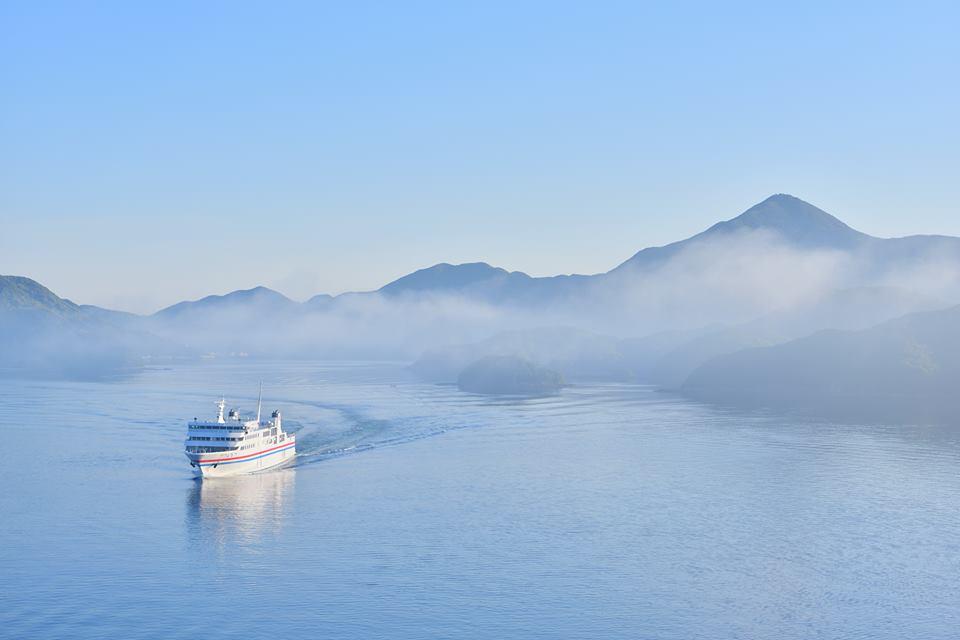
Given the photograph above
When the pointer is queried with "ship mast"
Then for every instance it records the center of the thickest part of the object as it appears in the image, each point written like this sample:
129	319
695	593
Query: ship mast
259	399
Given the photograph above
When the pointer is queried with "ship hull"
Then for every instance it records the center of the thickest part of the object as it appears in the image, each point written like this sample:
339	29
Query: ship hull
219	467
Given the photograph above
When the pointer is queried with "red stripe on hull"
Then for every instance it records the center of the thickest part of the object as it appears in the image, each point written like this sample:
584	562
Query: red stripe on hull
249	455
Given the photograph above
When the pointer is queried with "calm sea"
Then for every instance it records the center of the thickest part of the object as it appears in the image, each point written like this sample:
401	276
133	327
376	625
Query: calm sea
417	511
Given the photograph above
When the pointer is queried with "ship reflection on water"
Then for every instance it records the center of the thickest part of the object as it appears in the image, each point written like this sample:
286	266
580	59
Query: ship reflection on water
240	509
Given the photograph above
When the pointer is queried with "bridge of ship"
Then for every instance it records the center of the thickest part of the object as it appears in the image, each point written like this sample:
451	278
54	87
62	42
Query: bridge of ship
202	435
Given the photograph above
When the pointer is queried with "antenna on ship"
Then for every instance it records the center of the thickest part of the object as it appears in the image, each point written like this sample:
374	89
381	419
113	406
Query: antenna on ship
259	399
220	406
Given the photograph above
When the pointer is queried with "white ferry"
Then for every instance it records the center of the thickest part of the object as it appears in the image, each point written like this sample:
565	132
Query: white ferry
231	446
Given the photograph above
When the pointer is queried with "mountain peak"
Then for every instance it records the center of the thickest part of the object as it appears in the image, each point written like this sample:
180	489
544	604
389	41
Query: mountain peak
257	292
444	276
257	295
796	221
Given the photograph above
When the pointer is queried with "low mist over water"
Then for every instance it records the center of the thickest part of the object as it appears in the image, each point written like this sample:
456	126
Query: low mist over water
782	306
607	510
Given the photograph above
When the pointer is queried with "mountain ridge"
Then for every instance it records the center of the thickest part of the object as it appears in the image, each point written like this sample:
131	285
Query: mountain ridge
258	295
796	221
714	300
23	293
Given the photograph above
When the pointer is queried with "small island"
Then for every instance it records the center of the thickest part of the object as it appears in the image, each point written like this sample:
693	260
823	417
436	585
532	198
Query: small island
508	375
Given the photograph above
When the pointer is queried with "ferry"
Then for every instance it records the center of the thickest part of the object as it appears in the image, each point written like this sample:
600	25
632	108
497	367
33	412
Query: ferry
230	446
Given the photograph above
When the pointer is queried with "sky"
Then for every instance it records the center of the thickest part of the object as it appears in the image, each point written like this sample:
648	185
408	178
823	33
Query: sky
155	152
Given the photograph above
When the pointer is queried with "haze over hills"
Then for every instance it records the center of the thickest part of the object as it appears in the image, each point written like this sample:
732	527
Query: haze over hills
44	334
855	308
26	298
795	222
842	278
903	369
576	354
667	359
798	222
780	223
781	218
781	270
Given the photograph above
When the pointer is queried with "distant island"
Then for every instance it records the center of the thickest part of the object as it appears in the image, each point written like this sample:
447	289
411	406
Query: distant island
508	375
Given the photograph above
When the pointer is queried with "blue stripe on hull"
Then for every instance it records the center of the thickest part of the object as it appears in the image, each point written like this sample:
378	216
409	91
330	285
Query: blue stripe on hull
213	464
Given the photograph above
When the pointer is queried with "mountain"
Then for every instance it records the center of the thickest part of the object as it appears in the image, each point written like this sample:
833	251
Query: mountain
258	297
838	309
796	222
258	321
800	226
786	217
23	296
905	368
46	335
668	358
790	221
19	294
319	302
447	277
482	282
752	280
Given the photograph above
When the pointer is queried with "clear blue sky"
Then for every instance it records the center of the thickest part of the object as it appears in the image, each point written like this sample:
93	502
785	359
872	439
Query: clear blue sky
153	152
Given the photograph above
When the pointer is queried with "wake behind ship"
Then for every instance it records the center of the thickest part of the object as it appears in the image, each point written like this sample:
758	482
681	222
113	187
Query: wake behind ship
230	446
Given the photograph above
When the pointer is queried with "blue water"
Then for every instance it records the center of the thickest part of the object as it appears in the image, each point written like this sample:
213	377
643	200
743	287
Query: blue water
416	511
